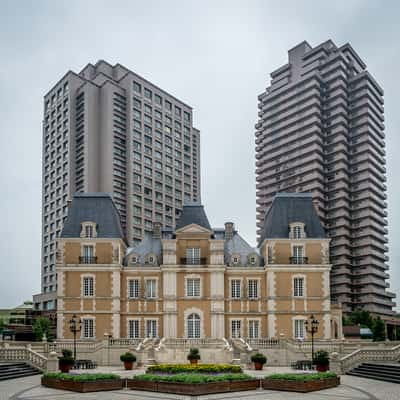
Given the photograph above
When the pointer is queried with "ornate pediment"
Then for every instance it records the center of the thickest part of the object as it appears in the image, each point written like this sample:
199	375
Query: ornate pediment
193	228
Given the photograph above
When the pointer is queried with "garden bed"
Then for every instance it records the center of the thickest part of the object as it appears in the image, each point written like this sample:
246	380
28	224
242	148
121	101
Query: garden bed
190	368
83	382
193	384
302	383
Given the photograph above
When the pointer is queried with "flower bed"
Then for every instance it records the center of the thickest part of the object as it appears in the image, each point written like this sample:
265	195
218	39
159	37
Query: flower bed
301	382
83	382
193	384
190	368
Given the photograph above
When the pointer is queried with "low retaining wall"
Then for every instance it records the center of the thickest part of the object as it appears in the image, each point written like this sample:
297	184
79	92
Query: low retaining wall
299	386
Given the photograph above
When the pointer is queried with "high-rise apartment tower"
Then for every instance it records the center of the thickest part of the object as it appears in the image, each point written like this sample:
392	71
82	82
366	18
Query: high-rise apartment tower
107	129
321	130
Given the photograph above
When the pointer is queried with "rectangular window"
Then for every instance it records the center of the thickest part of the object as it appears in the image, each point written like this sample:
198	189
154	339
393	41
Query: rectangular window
88	255
137	87
235	288
89	231
296	232
193	287
297	254
133	329
299	329
193	256
88	286
252	288
236	327
88	328
298	287
254	329
133	291
151	328
151	288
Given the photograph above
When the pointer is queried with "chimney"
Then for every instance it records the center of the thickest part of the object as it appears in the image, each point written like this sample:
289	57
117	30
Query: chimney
157	230
229	229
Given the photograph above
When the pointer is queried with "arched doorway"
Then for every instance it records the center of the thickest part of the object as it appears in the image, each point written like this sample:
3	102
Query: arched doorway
193	326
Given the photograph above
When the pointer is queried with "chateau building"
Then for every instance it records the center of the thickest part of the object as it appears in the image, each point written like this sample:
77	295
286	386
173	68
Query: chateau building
194	281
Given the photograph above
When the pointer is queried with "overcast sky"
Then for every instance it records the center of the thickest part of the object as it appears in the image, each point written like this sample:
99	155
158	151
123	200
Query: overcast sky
214	55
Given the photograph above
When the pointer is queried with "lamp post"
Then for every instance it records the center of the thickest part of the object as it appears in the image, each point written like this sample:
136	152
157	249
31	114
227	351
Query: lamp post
75	325
312	327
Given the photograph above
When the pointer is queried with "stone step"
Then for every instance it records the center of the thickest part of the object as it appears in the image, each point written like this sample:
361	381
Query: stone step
382	372
16	370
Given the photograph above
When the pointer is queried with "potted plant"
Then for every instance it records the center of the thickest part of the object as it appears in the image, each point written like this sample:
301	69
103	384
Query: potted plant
259	360
321	360
66	361
128	359
193	355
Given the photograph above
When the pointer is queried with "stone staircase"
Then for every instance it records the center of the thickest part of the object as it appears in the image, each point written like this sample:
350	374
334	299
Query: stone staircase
12	370
380	372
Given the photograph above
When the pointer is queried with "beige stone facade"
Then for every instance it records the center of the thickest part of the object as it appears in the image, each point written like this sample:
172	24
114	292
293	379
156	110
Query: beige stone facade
196	283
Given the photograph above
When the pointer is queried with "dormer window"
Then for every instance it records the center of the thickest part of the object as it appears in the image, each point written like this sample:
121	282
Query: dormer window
235	260
297	231
151	259
134	259
253	259
88	230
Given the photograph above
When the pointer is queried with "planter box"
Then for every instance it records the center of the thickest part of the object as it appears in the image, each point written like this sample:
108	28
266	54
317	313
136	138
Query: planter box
83	387
299	386
197	389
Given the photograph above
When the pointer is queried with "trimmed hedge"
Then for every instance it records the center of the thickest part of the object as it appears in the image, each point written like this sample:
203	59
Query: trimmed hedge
193	378
80	377
303	377
200	368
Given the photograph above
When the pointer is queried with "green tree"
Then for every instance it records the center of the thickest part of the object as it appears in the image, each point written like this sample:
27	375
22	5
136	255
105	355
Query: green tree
2	324
42	326
361	318
378	330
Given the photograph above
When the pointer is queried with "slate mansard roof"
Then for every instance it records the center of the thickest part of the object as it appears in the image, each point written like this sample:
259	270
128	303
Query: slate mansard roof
93	207
193	213
287	208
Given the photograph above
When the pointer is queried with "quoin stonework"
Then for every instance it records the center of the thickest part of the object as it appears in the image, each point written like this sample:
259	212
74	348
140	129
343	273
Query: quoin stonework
321	130
195	281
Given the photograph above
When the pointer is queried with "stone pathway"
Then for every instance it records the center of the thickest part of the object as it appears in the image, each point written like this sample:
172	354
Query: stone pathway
351	388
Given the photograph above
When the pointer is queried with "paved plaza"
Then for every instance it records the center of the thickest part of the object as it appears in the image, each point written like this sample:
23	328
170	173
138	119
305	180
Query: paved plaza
351	388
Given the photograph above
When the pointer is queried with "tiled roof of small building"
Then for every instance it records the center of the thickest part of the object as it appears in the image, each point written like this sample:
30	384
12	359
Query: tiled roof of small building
287	208
193	213
149	245
238	246
93	207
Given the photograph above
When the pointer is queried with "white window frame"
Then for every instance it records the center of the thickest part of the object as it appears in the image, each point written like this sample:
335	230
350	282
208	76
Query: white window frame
298	289
91	321
235	259
298	255
193	256
235	291
191	289
85	254
132	291
253	288
236	326
297	230
254	328
133	326
193	327
152	294
90	292
88	226
151	326
299	327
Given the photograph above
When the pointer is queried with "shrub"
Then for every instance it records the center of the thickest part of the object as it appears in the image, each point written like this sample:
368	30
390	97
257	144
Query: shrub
321	357
258	358
66	358
193	354
42	326
203	368
80	377
128	357
302	377
192	378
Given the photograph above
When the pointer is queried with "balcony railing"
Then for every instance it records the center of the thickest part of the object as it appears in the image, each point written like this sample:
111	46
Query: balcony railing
194	261
87	260
298	260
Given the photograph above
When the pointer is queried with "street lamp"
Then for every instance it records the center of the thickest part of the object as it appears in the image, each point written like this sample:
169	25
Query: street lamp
312	327
75	325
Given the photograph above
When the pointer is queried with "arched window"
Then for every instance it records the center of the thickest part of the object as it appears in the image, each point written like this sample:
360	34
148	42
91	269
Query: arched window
193	326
